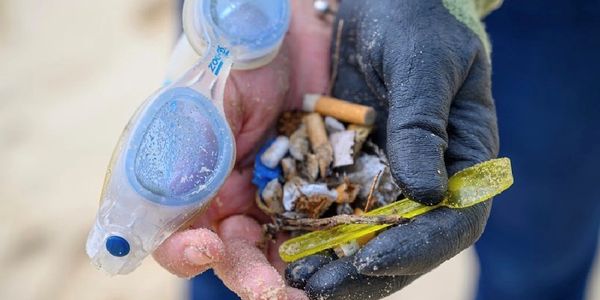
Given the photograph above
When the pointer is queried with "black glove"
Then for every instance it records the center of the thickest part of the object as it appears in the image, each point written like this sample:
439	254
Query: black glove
424	65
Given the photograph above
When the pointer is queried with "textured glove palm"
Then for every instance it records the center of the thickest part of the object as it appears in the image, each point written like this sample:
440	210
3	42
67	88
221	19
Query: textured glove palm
424	65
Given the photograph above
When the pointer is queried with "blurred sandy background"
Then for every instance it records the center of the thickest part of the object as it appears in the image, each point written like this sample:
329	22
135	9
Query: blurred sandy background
71	74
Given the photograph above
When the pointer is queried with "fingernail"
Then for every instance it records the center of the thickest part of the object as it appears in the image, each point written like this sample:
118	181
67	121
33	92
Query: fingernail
197	256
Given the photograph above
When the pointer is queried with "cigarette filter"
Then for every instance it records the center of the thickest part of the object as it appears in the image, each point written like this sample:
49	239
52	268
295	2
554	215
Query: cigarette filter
339	109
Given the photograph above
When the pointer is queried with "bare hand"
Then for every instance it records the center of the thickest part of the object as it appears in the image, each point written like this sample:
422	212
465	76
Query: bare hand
253	100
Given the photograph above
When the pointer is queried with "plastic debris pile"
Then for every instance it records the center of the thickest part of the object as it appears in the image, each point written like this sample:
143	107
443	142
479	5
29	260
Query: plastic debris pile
322	170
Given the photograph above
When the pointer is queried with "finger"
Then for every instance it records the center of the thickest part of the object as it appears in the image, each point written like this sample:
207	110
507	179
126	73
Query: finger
308	37
190	252
245	269
240	227
253	101
352	83
298	272
341	280
235	197
472	127
295	294
273	252
423	244
422	83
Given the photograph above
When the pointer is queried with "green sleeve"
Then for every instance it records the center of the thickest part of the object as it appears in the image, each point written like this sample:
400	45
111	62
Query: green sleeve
470	13
484	7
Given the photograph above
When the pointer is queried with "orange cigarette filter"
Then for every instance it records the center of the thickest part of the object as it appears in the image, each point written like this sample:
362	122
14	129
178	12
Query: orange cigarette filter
339	109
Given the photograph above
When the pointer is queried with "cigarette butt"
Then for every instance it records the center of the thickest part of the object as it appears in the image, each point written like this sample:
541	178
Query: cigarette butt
317	135
362	133
288	165
339	109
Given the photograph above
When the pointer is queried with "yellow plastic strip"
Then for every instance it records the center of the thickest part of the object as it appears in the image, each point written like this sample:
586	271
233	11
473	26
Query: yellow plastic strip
466	188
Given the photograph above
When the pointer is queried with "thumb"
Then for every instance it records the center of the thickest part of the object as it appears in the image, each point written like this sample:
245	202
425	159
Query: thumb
420	91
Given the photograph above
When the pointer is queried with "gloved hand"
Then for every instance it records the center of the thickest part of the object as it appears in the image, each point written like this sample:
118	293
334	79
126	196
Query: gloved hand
424	65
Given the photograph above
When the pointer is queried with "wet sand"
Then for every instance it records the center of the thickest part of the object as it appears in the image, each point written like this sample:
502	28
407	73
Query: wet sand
71	75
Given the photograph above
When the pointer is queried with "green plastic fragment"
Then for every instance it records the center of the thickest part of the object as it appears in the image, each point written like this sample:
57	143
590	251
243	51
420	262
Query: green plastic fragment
466	188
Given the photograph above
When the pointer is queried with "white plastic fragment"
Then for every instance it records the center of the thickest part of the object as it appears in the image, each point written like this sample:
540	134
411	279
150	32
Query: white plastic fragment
291	193
273	155
320	189
333	125
363	173
343	145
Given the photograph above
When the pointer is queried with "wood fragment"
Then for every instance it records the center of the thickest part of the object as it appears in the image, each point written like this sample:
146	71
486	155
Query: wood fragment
315	199
319	141
365	168
313	206
326	223
370	198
